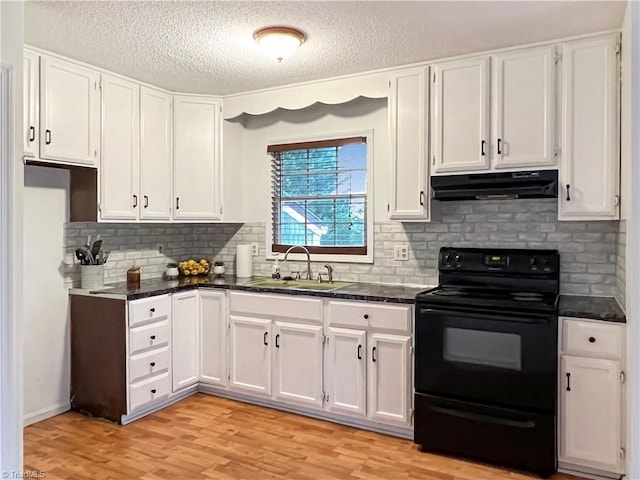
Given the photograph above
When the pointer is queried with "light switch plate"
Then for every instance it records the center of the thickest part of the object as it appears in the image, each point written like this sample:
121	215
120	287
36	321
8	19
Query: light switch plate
401	252
255	249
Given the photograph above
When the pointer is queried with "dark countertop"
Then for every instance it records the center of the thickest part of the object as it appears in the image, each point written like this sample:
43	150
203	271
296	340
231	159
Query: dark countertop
597	308
357	291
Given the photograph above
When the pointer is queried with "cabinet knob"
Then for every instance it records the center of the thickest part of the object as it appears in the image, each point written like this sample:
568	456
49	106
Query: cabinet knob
153	390
153	364
592	339
366	316
152	337
152	310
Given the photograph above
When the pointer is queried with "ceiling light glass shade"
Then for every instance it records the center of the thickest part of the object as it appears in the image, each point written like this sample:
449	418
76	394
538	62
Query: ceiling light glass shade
279	42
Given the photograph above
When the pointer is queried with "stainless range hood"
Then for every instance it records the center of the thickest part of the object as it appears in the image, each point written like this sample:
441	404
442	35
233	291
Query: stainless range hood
503	185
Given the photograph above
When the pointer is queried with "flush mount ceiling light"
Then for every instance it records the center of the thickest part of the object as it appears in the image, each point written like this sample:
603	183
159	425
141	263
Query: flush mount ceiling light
279	42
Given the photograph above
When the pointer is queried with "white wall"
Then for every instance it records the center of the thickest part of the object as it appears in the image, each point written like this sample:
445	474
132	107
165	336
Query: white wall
46	325
315	121
11	42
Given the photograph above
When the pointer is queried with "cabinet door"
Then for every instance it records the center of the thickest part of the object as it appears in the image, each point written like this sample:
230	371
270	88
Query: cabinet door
589	173
389	389
156	154
250	354
590	404
298	363
31	96
69	112
213	338
460	116
346	371
524	99
184	339
197	173
119	161
408	123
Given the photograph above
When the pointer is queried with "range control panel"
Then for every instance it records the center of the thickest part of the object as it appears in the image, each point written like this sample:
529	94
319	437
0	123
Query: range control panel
499	260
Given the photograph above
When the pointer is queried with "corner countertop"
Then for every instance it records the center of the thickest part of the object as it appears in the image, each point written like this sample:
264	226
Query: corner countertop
376	292
605	309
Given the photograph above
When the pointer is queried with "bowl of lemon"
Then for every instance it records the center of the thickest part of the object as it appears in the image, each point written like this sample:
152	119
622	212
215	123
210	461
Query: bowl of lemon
193	268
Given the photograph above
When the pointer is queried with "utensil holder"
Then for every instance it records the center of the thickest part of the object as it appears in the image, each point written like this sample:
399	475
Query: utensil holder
91	277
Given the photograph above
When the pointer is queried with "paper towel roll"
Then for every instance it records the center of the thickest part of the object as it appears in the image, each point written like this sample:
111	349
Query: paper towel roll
244	260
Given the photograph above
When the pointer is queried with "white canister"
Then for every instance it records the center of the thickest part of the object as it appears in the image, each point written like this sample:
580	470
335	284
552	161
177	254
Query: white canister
91	277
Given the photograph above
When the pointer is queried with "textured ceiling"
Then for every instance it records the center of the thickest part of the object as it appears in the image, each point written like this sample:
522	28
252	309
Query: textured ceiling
207	47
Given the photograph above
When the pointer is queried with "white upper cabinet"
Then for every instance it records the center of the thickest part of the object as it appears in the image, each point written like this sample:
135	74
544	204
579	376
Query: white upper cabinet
197	158
119	161
460	116
519	89
156	154
524	99
31	105
590	162
69	113
408	124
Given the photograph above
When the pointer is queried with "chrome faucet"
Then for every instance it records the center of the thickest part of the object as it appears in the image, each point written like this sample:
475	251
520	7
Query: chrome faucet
286	254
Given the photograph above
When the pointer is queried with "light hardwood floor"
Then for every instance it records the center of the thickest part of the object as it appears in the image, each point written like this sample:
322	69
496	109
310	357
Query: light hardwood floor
209	437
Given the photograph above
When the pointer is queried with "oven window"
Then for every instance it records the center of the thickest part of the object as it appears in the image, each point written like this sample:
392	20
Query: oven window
494	349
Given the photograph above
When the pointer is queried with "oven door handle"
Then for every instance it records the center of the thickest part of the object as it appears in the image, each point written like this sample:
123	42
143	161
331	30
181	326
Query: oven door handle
531	319
479	417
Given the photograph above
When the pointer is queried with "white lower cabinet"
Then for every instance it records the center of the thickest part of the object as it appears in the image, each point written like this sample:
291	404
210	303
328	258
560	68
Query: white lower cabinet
213	338
346	371
368	368
184	339
250	354
389	389
298	363
591	397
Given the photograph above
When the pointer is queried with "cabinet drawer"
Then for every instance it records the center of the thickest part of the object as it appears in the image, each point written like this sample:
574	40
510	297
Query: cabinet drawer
281	306
147	336
149	309
149	363
592	339
371	315
149	390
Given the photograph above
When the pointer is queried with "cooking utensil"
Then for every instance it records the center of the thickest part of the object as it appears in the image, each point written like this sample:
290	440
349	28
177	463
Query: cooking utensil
80	255
95	248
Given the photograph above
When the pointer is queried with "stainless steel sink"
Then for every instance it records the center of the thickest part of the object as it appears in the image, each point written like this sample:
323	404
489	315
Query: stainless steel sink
298	284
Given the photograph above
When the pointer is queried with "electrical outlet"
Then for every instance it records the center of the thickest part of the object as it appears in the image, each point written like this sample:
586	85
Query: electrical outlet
255	249
401	251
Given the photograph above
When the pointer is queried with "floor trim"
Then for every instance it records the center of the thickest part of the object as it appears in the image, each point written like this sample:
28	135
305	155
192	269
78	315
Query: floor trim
45	413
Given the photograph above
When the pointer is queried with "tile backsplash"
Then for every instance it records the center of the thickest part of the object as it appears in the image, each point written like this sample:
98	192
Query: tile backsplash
588	250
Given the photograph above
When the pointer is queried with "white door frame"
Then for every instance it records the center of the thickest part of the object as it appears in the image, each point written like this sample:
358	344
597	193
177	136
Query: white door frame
11	395
633	257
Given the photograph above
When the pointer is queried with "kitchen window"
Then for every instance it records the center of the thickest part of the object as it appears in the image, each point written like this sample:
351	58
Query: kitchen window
319	196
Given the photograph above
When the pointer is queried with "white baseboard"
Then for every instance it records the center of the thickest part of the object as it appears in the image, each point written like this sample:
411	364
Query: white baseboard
44	413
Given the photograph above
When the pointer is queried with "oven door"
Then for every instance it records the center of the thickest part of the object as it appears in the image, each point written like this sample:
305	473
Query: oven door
507	359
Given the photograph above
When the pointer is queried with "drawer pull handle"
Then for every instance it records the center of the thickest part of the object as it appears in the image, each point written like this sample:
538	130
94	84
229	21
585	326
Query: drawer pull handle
592	339
568	382
152	310
152	337
153	390
153	364
366	316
